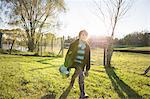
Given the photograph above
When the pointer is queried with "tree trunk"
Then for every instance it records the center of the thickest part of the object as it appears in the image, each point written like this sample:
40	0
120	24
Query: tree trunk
109	56
109	52
31	45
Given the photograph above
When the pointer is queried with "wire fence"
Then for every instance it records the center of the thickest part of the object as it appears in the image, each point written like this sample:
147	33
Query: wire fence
51	46
97	55
55	46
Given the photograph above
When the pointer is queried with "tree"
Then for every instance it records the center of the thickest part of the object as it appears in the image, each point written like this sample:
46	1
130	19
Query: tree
147	39
111	11
135	39
33	16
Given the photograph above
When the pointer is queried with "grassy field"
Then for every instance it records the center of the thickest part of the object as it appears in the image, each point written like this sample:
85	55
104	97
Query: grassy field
31	77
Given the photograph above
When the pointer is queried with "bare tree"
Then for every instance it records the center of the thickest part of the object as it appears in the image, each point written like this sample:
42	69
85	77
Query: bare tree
111	11
33	15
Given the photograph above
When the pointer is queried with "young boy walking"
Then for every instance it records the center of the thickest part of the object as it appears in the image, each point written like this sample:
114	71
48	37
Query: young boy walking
78	57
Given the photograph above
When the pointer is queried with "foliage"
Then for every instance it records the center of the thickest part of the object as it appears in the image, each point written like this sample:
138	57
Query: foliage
134	39
134	48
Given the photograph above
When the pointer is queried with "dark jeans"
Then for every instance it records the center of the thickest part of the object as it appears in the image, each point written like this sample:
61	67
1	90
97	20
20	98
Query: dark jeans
78	72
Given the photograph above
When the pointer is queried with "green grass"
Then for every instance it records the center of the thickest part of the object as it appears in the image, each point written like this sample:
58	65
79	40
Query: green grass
134	48
31	77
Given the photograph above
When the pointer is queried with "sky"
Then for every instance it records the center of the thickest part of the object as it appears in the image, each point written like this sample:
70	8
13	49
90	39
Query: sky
82	14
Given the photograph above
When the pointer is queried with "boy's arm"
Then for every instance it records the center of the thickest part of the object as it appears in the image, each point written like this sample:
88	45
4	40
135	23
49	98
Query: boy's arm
88	65
88	60
68	54
69	50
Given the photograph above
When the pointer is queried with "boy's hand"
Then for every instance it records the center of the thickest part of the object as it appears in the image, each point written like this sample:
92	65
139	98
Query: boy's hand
86	73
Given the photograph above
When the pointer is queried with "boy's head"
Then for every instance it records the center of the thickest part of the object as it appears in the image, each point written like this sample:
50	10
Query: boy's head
83	35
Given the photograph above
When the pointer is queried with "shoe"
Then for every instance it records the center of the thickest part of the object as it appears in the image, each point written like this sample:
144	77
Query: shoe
85	96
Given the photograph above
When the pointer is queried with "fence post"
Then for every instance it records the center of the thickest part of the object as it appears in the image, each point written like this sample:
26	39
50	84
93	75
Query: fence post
1	34
41	43
104	59
62	46
13	41
52	41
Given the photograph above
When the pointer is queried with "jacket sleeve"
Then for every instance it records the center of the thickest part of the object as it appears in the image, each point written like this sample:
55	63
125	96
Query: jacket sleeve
88	59
67	57
69	50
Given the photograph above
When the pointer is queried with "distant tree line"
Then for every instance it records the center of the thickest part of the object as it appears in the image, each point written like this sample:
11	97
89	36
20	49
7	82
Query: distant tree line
137	39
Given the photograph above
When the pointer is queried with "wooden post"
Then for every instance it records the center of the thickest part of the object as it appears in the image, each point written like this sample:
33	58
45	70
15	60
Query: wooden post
45	44
38	49
104	59
13	41
62	46
41	43
1	39
52	42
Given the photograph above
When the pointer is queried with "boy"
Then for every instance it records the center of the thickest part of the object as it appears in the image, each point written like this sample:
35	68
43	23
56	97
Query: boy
78	57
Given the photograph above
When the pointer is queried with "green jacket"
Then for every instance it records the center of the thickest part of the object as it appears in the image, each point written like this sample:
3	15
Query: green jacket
72	53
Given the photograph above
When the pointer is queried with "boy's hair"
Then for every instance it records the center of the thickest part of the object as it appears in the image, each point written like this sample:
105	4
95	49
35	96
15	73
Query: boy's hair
83	31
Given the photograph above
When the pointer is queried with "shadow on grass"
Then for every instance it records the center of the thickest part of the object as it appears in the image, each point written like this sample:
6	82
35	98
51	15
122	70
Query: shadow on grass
42	68
102	71
49	96
43	61
120	86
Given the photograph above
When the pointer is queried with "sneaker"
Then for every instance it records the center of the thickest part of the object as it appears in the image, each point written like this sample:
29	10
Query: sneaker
85	96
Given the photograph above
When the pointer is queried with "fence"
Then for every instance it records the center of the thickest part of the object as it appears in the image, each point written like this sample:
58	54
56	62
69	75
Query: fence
97	55
53	45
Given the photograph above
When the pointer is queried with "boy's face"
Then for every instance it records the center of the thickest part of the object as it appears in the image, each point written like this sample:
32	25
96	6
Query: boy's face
83	36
